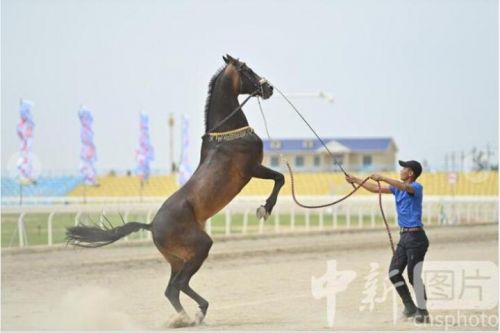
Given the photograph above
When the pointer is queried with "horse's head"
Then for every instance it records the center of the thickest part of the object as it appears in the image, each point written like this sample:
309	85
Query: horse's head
246	81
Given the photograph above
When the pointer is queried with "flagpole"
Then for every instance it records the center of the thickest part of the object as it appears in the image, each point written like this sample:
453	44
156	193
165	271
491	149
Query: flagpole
87	152
141	188
25	132
85	193
171	123
20	194
184	169
144	154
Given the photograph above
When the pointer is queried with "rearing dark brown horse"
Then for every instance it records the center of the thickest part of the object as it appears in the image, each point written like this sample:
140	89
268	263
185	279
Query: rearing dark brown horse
231	154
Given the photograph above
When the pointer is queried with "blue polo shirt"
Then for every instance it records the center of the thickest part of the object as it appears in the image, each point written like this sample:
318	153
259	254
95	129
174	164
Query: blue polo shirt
409	206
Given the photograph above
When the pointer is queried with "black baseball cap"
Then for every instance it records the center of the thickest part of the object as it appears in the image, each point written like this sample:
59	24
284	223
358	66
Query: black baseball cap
414	165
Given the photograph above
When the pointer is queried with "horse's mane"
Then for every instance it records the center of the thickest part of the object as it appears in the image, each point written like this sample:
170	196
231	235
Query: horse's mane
211	85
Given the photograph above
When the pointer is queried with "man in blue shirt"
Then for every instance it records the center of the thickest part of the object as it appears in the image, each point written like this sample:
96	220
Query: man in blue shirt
413	242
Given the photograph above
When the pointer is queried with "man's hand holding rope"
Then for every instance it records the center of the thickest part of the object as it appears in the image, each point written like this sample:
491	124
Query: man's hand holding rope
370	186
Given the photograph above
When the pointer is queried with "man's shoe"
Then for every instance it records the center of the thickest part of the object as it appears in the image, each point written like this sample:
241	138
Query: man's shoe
410	310
422	316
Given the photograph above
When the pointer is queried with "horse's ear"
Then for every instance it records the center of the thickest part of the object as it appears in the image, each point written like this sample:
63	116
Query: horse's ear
226	60
230	59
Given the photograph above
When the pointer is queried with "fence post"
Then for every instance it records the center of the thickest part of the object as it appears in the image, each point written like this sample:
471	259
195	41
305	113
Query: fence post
321	219
149	235
77	218
485	213
276	222
428	210
49	228
245	222
494	211
335	216
227	228
307	220
208	227
261	225
373	216
467	214
292	219
458	214
20	229
101	219
348	217
125	219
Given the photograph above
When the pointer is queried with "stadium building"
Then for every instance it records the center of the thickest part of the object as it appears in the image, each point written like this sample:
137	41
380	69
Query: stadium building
309	155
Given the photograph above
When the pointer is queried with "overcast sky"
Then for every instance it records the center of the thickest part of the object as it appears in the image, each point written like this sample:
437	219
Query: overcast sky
424	72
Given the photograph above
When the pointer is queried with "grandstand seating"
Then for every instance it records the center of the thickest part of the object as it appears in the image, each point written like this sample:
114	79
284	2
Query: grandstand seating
44	187
119	186
468	183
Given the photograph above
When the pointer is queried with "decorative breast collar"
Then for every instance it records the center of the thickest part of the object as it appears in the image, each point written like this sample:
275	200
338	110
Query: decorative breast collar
229	135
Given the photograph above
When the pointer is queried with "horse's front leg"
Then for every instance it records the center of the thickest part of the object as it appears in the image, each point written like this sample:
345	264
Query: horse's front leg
265	173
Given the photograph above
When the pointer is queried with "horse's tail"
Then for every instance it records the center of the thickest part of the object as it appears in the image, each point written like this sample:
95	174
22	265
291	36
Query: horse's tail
97	236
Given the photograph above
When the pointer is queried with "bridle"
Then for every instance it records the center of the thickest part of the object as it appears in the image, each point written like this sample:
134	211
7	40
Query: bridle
258	84
259	87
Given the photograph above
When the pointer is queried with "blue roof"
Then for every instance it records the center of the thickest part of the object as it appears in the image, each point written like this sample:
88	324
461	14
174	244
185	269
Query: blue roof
311	145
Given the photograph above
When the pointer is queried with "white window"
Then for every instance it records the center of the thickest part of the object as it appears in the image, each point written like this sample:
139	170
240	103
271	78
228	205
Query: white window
367	160
275	144
299	161
317	161
307	144
338	159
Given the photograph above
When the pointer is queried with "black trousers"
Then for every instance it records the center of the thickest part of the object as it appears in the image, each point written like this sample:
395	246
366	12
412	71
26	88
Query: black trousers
410	252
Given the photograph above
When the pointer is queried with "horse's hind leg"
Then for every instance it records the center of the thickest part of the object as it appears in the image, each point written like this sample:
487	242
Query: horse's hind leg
179	280
182	279
172	293
202	303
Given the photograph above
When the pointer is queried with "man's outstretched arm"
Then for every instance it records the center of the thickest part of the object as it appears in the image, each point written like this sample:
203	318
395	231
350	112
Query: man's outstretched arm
370	186
394	182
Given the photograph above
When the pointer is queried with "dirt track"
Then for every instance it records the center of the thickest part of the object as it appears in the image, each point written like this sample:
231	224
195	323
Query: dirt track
251	284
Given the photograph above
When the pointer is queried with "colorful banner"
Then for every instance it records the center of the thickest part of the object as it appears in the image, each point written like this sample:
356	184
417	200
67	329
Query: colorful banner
25	134
145	154
185	170
88	155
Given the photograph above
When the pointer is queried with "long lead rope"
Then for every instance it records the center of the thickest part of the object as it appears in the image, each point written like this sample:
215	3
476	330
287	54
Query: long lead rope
355	188
310	127
264	117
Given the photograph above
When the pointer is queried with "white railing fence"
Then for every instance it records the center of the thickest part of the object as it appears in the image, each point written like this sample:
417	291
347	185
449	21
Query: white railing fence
45	224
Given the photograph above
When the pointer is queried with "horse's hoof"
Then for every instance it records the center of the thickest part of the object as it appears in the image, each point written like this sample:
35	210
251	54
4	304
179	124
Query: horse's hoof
198	317
262	213
181	320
